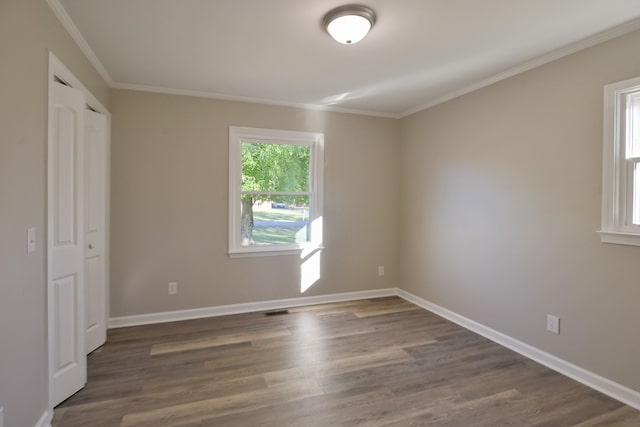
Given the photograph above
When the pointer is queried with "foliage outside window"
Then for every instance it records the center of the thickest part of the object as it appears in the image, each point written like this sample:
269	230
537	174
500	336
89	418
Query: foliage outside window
275	191
621	164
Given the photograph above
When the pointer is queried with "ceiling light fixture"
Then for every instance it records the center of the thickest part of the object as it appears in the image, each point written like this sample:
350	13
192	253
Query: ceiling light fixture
349	24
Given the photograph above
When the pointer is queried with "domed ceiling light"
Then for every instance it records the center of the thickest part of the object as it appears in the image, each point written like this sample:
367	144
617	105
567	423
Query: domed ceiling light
350	23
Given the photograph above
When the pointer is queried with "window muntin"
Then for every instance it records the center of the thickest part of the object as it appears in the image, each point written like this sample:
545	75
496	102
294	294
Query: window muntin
621	164
275	191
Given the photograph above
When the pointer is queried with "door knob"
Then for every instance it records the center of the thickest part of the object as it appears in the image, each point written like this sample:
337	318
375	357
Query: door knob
90	245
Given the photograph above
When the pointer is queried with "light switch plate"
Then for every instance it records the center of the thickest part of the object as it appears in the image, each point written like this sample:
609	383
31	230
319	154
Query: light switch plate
31	239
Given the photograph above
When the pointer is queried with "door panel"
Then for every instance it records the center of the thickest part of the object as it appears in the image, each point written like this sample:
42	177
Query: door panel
95	220
64	290
65	200
66	242
94	278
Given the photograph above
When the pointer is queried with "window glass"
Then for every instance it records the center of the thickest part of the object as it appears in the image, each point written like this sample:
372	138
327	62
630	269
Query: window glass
633	127
636	194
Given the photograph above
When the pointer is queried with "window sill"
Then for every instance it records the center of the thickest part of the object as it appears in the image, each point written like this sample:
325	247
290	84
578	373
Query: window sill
620	238
301	251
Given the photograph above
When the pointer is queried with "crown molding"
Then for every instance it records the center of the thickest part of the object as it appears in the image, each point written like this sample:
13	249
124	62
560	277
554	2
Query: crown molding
531	64
224	97
75	34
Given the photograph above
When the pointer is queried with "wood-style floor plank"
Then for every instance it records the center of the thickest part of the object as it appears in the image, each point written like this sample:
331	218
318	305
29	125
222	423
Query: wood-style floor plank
184	345
378	362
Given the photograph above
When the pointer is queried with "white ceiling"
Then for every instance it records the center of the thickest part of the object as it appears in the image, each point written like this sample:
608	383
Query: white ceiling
419	53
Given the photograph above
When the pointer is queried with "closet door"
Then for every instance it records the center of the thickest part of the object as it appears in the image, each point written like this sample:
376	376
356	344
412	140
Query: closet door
66	234
95	225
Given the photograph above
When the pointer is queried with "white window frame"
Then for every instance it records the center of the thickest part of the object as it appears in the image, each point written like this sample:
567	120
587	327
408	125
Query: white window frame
617	169
315	140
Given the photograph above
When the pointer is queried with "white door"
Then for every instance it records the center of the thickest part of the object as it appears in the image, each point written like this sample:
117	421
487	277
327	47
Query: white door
67	356
95	223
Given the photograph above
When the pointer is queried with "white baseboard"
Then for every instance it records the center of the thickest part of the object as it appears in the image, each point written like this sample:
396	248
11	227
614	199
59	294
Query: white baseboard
588	378
45	419
223	310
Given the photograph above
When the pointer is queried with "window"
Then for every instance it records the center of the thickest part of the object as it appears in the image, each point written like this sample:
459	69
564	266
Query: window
275	191
621	164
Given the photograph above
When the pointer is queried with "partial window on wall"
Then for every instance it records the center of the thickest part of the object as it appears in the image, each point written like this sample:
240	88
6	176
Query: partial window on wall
275	191
621	164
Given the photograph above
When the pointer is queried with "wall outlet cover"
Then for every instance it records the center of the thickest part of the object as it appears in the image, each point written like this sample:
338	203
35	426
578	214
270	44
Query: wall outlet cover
173	288
553	324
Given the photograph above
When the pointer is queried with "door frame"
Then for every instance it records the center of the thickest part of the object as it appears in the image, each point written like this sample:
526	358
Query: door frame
57	70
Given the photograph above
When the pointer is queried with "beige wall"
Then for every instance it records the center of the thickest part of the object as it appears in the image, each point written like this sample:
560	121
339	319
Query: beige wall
27	29
501	203
169	204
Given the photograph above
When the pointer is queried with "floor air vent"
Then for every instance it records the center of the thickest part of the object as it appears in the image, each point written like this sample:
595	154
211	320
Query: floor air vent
276	313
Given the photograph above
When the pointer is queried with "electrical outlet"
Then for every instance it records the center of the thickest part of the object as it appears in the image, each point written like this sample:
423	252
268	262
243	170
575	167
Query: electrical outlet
173	288
553	324
381	270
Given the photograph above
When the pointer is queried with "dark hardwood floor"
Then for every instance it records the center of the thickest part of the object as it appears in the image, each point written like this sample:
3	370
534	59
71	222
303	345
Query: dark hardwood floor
379	362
